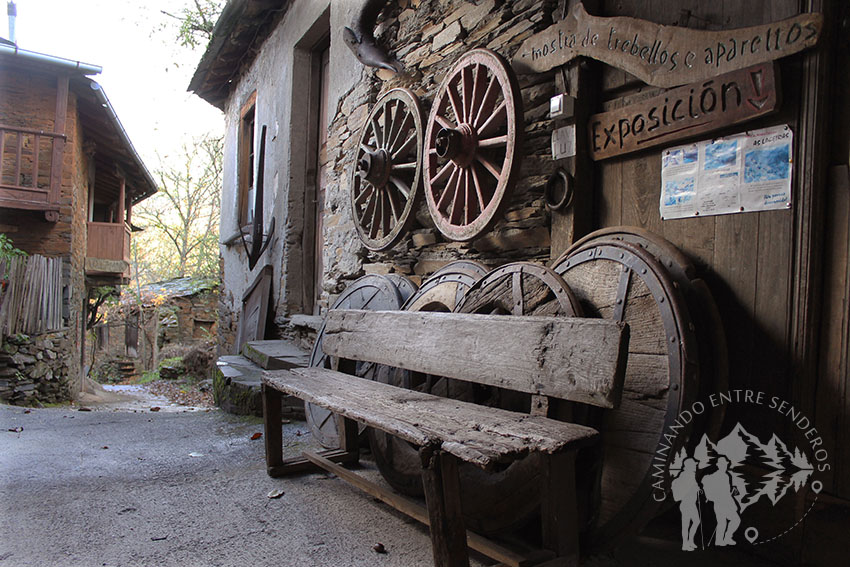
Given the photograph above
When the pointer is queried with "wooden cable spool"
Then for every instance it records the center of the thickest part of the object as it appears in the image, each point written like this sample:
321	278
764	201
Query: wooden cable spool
613	278
472	144
388	172
372	292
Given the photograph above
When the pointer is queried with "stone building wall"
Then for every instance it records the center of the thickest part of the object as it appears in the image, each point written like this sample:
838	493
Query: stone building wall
29	100
428	37
36	368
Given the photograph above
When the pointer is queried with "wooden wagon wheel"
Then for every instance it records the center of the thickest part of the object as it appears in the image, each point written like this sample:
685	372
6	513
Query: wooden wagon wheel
397	460
371	292
406	287
386	179
714	356
472	144
472	268
500	500
625	282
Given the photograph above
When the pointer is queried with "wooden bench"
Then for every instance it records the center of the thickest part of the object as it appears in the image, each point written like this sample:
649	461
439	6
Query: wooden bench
580	360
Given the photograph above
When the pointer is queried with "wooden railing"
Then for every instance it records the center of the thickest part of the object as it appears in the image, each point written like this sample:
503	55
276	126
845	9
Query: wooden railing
30	168
109	241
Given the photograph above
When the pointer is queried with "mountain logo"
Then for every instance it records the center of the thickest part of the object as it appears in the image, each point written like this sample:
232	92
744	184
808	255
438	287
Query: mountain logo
719	481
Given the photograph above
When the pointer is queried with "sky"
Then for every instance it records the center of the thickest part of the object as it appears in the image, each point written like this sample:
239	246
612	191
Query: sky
145	71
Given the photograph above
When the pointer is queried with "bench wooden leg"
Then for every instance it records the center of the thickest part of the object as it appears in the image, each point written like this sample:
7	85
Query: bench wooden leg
349	441
442	498
272	422
559	509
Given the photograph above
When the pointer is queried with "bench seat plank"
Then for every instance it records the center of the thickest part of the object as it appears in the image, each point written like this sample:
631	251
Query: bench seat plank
576	359
477	434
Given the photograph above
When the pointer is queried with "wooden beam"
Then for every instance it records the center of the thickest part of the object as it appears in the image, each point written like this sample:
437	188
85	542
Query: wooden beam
272	424
580	81
122	188
575	359
417	511
441	483
477	434
559	512
59	142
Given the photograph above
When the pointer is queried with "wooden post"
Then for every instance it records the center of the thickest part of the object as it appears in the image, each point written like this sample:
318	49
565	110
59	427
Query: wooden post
578	80
272	424
441	483
348	437
58	142
122	196
558	508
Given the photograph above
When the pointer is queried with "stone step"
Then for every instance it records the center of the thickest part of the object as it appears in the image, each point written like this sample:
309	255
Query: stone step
237	388
276	355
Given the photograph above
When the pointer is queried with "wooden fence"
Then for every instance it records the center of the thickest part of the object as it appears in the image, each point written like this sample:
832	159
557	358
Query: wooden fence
30	295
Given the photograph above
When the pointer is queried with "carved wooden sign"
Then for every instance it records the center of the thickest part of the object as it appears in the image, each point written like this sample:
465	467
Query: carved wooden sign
664	56
685	111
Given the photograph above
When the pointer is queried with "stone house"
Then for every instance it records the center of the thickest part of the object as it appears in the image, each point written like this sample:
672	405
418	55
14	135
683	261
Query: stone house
180	311
778	274
70	177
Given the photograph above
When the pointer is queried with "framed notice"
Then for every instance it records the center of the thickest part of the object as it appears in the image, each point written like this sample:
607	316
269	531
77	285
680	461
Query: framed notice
737	174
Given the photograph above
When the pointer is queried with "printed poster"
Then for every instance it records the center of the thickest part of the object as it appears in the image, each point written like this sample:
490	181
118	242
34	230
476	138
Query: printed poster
742	173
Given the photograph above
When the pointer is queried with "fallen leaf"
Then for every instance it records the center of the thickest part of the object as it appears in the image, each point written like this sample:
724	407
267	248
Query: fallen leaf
276	493
156	408
256	436
379	548
105	447
17	429
27	411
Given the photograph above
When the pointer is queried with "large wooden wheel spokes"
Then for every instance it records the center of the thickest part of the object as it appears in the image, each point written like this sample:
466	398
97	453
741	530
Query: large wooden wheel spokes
471	144
386	179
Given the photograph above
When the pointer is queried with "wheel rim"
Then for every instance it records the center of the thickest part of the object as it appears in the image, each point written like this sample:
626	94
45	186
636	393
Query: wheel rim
388	169
371	292
618	280
397	460
471	144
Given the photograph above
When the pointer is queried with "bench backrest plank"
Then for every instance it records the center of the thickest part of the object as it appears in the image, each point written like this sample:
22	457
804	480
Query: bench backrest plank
574	359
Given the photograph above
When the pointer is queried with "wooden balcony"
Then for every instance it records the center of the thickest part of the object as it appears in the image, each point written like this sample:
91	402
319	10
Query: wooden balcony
108	251
31	170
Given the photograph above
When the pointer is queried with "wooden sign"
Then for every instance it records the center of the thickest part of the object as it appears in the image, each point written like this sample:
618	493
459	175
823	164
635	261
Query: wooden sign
664	56
685	111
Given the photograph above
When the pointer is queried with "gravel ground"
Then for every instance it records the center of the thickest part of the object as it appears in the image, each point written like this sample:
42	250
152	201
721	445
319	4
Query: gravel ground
136	489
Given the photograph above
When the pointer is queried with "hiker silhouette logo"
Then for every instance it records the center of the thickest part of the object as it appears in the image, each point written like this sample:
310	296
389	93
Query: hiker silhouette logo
718	482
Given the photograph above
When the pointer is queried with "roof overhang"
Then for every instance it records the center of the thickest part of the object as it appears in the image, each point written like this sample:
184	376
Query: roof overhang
241	29
98	119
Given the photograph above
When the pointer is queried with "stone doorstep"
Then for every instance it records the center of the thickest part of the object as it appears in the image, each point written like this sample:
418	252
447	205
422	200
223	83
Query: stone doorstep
237	387
276	355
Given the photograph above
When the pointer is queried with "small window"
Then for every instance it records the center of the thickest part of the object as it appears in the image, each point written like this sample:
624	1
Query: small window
246	160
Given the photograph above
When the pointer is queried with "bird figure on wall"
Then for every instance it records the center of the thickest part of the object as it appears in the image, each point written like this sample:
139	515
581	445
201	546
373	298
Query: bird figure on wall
360	38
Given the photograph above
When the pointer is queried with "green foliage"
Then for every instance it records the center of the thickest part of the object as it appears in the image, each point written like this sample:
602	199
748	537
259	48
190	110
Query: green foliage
195	22
148	377
8	250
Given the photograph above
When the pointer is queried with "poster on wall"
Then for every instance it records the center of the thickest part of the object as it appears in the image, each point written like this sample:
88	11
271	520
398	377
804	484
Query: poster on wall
742	173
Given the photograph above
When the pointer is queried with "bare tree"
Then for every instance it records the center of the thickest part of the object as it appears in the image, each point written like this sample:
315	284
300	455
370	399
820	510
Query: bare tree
182	219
